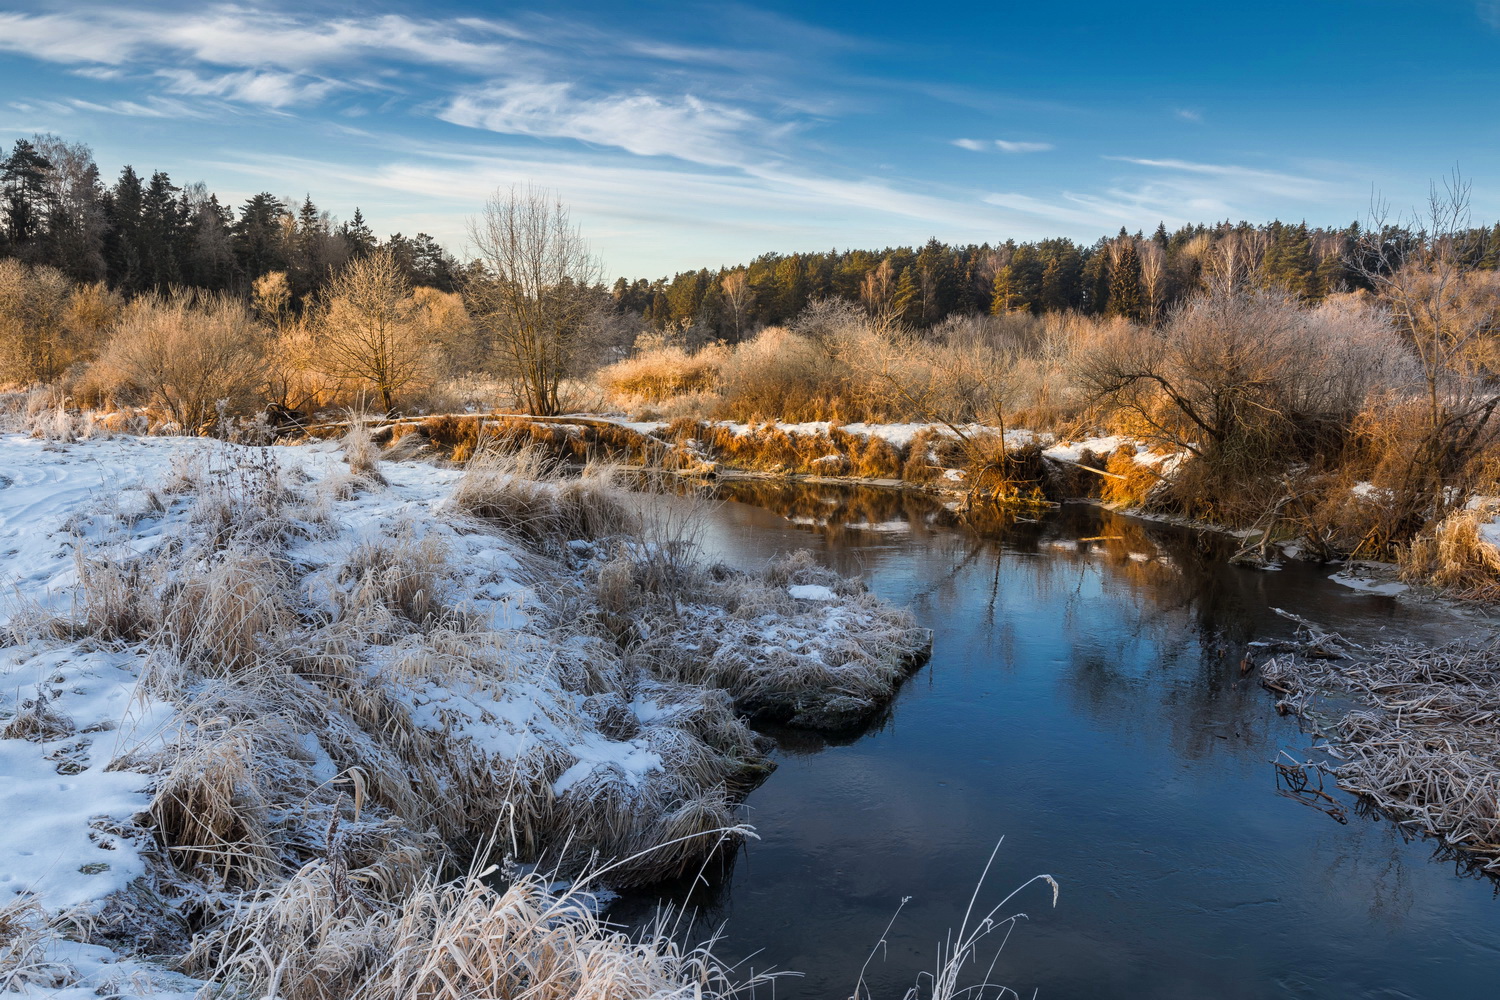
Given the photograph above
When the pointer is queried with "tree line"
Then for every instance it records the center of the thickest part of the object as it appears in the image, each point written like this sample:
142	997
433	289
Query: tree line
142	234
1134	276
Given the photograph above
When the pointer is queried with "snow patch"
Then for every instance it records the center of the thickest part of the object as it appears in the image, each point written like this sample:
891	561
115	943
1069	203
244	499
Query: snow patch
811	592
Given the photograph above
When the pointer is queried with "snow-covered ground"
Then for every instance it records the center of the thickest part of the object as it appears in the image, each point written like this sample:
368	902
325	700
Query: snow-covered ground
352	650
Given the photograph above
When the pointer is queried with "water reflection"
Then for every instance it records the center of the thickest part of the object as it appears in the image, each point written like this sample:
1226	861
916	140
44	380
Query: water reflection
1086	700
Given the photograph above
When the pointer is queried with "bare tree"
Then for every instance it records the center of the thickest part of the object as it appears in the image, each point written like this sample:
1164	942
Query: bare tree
738	295
1449	312
878	293
369	333
536	292
1242	377
1153	279
1231	261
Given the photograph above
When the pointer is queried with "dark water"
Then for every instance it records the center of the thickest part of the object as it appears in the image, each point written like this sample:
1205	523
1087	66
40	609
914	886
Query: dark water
1085	702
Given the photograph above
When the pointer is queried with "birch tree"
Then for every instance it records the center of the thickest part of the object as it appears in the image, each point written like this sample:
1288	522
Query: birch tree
535	293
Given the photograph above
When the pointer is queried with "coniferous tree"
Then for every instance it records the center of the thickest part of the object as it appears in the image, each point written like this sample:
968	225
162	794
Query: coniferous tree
1062	280
122	239
935	282
358	237
23	177
1125	279
258	236
1018	285
160	234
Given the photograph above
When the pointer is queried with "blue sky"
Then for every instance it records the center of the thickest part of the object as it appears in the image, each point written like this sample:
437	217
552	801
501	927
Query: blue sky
686	134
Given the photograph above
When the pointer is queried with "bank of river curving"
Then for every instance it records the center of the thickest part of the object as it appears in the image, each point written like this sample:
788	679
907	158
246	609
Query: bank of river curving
1085	701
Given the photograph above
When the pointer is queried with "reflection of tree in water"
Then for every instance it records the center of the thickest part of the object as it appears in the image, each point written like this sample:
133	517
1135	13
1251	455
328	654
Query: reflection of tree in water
1153	612
833	510
1146	610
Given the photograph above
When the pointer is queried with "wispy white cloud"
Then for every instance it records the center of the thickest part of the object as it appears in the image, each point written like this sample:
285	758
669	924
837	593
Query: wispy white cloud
155	107
1007	146
266	88
1189	115
1003	145
1176	192
98	72
645	124
246	38
1241	178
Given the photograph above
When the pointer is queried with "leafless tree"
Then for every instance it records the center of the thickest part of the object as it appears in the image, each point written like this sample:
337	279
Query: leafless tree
1242	376
1153	278
1449	312
738	296
537	291
1231	262
369	334
878	293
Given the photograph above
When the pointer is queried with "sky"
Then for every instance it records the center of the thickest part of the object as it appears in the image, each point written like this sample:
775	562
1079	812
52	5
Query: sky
686	135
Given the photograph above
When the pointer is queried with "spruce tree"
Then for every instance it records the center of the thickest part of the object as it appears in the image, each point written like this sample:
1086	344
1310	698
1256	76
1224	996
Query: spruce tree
1125	280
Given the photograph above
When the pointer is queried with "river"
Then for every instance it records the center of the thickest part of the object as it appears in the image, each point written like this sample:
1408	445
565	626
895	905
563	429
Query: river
1084	701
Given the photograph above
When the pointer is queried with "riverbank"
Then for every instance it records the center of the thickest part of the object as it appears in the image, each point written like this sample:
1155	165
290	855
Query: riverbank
266	706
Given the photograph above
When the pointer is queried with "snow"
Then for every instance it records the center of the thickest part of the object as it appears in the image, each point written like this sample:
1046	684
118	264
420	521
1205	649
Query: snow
69	841
71	838
1365	585
1072	451
57	844
811	592
900	435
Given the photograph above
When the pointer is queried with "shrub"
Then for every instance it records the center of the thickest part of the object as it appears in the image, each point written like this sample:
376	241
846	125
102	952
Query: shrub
181	354
660	373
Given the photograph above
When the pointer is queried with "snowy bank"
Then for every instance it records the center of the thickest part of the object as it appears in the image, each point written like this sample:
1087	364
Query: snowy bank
257	700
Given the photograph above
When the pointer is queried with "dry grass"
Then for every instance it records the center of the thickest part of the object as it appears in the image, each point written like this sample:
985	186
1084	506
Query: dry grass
343	733
318	938
1421	746
658	374
406	575
1130	483
1453	554
361	451
25	934
531	497
36	719
819	664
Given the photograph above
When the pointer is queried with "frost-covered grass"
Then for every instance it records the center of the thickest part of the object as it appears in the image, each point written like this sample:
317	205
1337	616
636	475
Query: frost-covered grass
1419	741
263	708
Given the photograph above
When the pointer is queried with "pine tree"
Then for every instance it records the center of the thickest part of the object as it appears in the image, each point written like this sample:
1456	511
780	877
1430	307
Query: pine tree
258	244
23	177
935	282
358	237
1018	285
1125	279
160	234
122	240
1062	280
907	302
